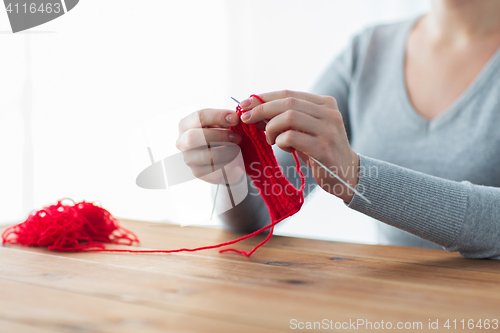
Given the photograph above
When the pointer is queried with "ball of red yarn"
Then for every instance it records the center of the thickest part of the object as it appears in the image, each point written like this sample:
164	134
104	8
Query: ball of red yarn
69	228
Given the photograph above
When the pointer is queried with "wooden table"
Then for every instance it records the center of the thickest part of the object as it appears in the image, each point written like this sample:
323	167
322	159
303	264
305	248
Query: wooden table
288	279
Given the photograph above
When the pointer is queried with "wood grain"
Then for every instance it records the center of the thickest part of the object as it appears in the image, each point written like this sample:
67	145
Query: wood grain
288	278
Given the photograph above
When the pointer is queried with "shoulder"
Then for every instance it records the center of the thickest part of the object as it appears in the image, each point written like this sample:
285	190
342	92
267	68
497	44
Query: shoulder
381	37
369	49
384	33
379	42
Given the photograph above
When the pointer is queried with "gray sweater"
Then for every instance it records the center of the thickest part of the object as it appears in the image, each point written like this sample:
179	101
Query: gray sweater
432	183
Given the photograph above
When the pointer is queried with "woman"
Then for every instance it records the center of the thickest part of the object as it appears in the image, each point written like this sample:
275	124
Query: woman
410	115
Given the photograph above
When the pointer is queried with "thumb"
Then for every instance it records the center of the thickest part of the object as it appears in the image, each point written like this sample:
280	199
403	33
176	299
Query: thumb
249	104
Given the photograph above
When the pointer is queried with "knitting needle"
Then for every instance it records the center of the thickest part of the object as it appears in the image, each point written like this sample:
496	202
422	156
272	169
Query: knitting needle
217	191
215	199
229	192
327	169
218	183
341	180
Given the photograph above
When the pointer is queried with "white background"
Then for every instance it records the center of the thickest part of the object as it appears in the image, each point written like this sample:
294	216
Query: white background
75	93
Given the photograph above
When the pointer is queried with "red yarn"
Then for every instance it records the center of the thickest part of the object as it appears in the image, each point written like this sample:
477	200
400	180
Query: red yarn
281	197
86	227
267	175
69	228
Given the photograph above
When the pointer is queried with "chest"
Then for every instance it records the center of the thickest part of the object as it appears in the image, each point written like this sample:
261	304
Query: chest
436	76
463	146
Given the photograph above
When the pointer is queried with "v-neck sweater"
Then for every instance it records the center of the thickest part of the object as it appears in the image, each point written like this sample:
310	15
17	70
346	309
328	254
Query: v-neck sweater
430	183
438	180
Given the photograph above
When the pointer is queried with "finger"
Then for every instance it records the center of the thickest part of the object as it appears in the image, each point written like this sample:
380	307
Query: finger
210	156
295	140
291	120
250	103
282	94
221	135
206	173
209	118
274	108
202	137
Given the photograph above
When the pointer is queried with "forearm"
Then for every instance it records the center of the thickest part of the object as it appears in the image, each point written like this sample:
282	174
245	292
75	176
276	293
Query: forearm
249	215
459	216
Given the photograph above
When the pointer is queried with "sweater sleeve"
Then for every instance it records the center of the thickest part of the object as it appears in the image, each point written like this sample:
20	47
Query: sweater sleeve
459	216
336	80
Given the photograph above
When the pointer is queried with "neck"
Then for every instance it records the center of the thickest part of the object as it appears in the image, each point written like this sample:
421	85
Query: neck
463	20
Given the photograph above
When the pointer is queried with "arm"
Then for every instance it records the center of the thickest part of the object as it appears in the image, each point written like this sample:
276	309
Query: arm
459	216
249	215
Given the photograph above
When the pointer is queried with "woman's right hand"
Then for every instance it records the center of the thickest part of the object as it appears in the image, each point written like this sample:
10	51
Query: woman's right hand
208	144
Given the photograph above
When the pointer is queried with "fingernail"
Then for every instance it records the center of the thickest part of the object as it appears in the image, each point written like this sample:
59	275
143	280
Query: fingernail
246	116
234	137
246	103
231	118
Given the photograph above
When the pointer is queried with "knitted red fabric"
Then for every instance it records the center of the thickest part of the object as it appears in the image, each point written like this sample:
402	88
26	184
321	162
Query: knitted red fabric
281	197
86	227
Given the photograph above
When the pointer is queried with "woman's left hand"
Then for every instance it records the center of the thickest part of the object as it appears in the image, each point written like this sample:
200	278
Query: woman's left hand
313	126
